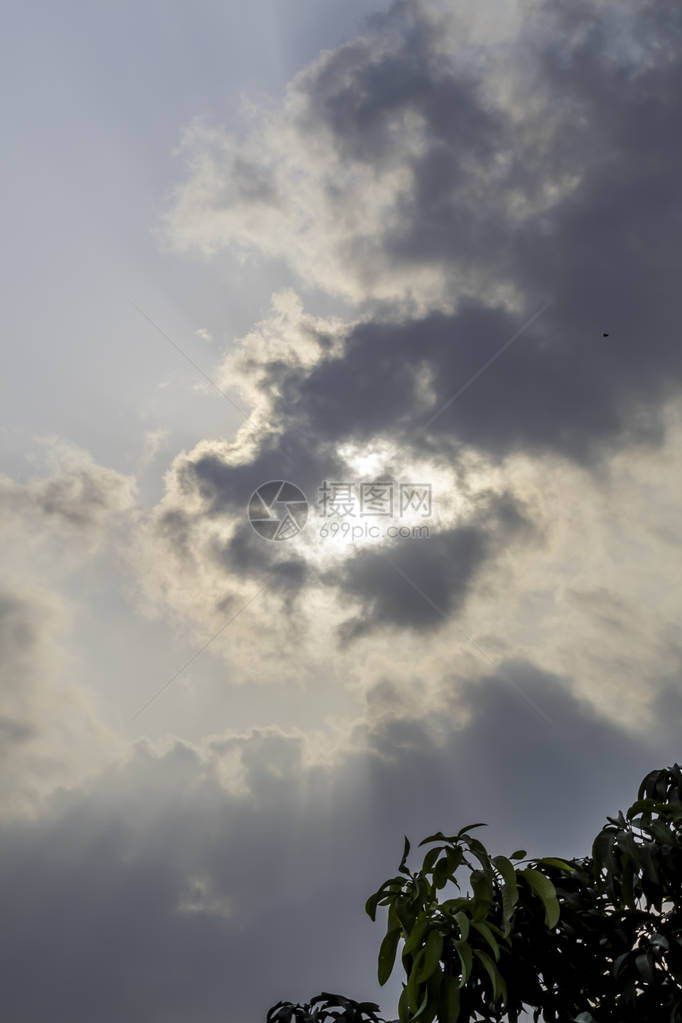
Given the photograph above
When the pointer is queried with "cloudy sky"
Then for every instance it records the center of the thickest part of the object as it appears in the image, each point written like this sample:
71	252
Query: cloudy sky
421	262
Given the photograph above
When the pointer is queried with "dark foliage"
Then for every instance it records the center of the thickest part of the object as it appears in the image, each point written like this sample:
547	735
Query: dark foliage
590	940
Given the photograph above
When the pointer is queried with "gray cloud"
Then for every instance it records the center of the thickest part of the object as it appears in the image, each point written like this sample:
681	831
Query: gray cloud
408	587
449	197
601	243
48	727
19	630
77	493
445	564
155	893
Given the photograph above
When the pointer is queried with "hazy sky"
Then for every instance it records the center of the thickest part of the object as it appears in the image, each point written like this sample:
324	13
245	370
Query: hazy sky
330	244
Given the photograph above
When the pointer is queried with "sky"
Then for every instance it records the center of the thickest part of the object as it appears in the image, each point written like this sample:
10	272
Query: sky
412	269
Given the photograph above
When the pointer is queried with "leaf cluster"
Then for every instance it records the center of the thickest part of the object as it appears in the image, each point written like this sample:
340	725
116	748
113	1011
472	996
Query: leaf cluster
323	1008
590	940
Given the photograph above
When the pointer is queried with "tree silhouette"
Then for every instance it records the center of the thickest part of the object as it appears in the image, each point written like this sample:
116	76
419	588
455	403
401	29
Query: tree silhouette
596	939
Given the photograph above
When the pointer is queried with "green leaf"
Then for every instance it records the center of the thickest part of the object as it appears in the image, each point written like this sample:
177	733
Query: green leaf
645	966
422	1007
646	806
393	922
627	885
486	933
441	872
602	850
469	827
417	933
520	854
453	905
481	854
465	958
413	981
449	1000
403	913
422	889
546	892
553	861
627	845
662	833
483	894
463	921
431	857
510	888
506	868
432	954
403	1008
454	859
439	836
387	952
429	1007
393	883
496	979
649	784
371	906
402	868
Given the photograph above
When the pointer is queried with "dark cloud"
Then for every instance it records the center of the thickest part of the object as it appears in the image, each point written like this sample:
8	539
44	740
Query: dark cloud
576	199
416	584
564	186
606	251
544	784
387	598
249	555
443	563
358	91
225	488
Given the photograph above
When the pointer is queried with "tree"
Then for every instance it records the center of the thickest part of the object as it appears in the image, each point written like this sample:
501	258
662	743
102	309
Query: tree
596	939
